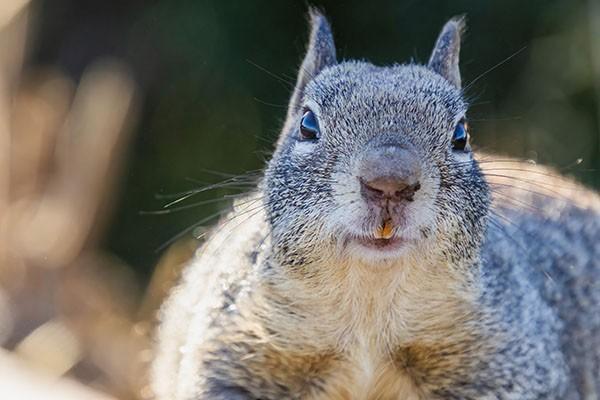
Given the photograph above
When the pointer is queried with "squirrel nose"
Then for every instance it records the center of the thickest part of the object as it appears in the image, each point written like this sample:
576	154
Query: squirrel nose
389	188
389	173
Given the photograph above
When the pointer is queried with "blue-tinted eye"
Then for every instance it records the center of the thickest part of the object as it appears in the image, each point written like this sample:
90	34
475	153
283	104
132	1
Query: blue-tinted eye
460	137
309	127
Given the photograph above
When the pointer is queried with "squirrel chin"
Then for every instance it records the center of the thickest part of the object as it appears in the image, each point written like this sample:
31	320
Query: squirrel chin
381	244
374	250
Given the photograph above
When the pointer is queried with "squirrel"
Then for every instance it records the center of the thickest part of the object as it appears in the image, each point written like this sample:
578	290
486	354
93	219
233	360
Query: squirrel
378	258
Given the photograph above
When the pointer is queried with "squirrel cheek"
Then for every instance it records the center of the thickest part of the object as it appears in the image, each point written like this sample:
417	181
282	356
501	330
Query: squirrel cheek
303	148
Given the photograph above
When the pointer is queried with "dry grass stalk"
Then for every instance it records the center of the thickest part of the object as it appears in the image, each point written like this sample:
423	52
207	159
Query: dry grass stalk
65	307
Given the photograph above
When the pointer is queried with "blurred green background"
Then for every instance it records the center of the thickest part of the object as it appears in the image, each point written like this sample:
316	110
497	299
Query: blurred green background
209	104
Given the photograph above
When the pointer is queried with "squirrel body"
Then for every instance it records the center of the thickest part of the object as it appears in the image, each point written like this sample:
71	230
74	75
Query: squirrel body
484	289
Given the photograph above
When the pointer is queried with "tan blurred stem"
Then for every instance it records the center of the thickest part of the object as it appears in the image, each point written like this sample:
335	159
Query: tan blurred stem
13	36
97	299
9	9
88	149
18	381
39	110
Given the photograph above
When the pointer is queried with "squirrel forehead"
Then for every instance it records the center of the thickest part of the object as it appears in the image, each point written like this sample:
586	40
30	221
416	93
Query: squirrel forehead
361	83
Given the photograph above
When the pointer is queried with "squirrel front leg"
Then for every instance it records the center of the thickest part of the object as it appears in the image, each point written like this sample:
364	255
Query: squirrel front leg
242	366
224	391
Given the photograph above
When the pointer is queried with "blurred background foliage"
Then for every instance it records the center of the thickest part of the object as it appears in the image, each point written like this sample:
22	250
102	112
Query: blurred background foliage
215	78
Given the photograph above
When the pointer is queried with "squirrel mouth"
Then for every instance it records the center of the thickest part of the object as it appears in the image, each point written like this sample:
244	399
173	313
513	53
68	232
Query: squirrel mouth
391	243
382	239
385	230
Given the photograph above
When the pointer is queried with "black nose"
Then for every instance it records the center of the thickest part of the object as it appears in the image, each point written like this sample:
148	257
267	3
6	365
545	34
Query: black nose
392	189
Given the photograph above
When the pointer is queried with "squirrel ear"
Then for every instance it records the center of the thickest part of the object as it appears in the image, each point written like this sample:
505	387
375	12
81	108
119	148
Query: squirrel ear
445	56
320	54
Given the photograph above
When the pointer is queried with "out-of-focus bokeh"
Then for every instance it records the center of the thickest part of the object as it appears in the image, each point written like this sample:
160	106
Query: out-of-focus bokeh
111	110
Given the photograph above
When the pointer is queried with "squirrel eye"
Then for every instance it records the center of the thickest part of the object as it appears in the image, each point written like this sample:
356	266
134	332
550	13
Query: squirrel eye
460	137
309	127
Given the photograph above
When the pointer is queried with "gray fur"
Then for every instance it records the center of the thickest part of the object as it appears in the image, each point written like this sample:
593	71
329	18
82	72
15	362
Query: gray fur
494	294
445	56
320	54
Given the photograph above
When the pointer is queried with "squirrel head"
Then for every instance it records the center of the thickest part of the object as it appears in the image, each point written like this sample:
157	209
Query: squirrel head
373	164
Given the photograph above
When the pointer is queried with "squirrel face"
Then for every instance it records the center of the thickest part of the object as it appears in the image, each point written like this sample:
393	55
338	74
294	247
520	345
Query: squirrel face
373	164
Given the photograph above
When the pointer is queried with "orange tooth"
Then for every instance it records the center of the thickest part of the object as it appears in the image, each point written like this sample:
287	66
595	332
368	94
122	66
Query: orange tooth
384	231
387	230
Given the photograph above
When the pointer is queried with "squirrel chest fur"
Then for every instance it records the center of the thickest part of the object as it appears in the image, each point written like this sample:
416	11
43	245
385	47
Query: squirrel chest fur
379	258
